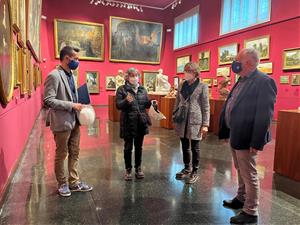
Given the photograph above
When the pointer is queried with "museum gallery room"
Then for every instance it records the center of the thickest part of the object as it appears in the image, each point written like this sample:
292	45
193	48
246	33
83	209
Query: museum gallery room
150	112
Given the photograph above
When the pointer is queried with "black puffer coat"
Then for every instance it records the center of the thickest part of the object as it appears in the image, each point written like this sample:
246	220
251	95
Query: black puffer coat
130	125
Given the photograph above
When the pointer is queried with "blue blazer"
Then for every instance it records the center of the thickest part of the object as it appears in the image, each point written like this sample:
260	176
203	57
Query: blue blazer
251	114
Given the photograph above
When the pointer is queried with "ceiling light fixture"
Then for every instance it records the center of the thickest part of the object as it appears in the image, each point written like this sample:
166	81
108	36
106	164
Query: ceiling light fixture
175	4
117	4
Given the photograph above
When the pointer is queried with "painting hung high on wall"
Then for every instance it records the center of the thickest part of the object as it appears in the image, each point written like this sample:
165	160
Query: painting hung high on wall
261	44
135	41
87	37
92	81
110	83
180	63
6	54
149	80
291	59
227	53
204	60
34	9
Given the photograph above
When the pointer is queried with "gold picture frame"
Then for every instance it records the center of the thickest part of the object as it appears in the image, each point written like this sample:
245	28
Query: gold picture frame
110	83
227	53
204	61
207	81
29	72
295	79
87	36
284	79
14	9
149	80
215	82
266	67
144	42
92	81
223	71
6	54
22	18
181	61
24	75
261	44
291	59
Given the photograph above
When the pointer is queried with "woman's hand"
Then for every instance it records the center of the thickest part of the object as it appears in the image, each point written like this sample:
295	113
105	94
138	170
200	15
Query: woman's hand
129	98
204	131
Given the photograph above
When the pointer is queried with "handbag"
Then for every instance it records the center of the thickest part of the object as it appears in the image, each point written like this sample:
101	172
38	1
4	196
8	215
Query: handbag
180	113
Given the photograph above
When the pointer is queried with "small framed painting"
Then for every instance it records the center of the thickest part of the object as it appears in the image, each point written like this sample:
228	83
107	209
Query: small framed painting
176	82
266	67
110	82
207	81
223	71
295	80
227	53
215	82
284	79
204	61
261	44
180	63
149	80
92	81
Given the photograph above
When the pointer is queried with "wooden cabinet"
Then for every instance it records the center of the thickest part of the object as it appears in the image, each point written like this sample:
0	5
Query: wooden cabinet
287	146
113	112
216	106
166	107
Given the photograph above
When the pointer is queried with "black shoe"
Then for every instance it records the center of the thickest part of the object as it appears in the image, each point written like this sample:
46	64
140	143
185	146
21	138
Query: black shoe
128	175
139	173
233	204
183	174
243	218
192	178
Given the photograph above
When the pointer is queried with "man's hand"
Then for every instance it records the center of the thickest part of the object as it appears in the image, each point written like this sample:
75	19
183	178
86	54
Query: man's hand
77	106
129	98
203	132
253	150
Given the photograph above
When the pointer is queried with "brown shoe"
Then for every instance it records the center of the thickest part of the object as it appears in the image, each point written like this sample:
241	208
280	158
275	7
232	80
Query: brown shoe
128	175
139	173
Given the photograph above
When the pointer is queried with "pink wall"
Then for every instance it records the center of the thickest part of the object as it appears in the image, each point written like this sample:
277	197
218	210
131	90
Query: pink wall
284	31
81	10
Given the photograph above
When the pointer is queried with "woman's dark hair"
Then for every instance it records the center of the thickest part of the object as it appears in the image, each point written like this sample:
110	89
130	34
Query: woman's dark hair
67	50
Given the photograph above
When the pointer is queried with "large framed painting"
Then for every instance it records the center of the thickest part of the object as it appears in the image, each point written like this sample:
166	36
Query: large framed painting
180	63
291	59
204	61
6	53
266	67
87	37
22	22
34	8
92	81
110	83
261	44
295	80
227	53
149	80
223	71
135	41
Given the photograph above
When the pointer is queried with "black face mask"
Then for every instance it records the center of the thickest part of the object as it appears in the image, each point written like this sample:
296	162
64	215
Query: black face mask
236	67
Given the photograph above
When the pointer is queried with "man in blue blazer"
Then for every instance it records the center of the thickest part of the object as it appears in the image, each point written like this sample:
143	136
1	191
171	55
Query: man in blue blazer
245	120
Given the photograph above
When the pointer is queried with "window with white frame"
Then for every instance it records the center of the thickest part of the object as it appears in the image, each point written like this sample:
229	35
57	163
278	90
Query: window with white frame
239	14
186	30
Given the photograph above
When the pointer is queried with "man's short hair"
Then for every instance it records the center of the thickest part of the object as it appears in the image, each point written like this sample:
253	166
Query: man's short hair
252	53
67	50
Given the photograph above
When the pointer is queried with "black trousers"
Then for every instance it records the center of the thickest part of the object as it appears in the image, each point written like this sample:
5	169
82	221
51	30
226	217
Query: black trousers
191	153
138	147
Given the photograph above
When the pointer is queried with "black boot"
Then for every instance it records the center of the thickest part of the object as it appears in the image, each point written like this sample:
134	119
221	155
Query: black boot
243	218
233	204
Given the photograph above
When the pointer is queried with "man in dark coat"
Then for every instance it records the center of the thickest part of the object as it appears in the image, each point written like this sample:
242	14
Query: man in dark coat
245	120
132	100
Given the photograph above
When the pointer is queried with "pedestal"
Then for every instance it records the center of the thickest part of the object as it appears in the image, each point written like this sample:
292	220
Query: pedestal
113	112
216	106
167	106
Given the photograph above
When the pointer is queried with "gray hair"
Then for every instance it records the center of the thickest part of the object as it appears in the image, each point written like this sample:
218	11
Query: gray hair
253	54
130	71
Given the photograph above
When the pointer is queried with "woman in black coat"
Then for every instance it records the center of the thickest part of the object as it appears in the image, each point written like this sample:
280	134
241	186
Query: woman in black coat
132	100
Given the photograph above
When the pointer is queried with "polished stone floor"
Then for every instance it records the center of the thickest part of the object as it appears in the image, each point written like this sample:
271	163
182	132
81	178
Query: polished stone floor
158	199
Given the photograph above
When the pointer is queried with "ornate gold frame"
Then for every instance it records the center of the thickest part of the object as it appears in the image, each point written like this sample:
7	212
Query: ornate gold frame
56	52
229	62
284	59
133	61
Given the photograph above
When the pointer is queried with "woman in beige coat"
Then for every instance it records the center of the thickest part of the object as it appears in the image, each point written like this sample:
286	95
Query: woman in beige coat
194	127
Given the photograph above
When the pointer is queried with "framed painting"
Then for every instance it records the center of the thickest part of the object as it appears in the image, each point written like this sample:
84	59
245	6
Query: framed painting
215	82
261	44
135	41
22	22
16	50
291	59
223	71
266	67
110	83
14	9
24	81
92	81
204	61
207	81
284	80
29	72
180	63
6	54
87	37
34	9
227	53
149	80
295	80
176	82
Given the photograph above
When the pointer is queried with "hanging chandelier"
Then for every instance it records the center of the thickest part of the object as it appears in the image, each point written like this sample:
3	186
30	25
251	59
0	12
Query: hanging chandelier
117	4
